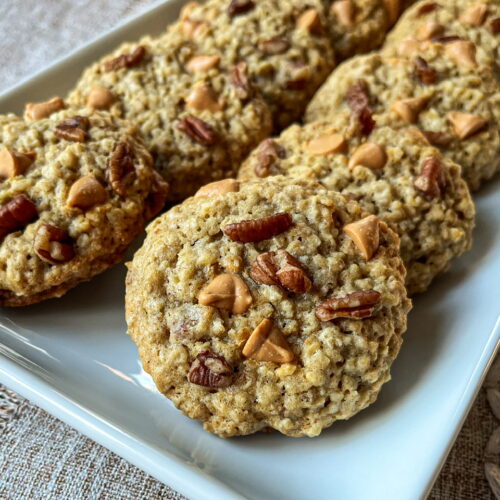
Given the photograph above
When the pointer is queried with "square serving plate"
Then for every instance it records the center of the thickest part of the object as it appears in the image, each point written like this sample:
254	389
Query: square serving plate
72	357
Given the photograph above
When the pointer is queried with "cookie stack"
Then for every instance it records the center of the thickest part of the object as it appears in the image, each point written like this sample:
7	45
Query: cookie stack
275	297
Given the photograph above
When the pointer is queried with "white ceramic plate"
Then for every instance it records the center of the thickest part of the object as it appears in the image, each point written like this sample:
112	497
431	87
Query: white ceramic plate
72	357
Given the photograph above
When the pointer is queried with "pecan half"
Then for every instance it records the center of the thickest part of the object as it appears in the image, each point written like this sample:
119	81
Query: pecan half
240	81
73	129
254	230
358	99
426	8
267	157
441	139
16	214
281	269
357	305
53	245
423	71
432	179
227	291
126	60
239	7
198	130
210	370
267	343
275	45
121	171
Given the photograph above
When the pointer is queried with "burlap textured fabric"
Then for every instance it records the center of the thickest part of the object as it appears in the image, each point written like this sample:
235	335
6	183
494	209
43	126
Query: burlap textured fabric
42	458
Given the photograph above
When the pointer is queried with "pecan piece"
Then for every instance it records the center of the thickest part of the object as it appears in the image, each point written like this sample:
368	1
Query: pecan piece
121	169
275	45
240	81
53	245
356	305
126	60
358	99
267	343
16	214
432	179
210	370
253	230
198	130
239	7
157	196
13	163
299	76
494	25
441	139
269	152
227	291
281	269
423	71
73	129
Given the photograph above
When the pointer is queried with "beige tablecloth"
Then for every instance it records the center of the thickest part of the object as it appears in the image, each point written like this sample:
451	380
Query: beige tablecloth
42	458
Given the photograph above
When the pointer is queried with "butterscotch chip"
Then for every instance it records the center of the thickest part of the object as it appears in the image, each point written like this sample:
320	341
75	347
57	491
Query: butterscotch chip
368	155
226	291
39	110
267	343
474	14
202	64
202	98
466	124
219	187
365	235
309	20
418	191
408	109
428	30
326	144
85	193
462	52
14	163
62	223
241	372
100	98
344	10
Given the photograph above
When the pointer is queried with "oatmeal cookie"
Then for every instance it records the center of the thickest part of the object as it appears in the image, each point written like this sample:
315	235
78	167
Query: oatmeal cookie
77	187
283	44
358	26
194	120
397	176
268	304
477	21
443	90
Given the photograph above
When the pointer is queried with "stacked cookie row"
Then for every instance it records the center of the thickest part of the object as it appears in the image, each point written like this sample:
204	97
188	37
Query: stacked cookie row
199	97
279	299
